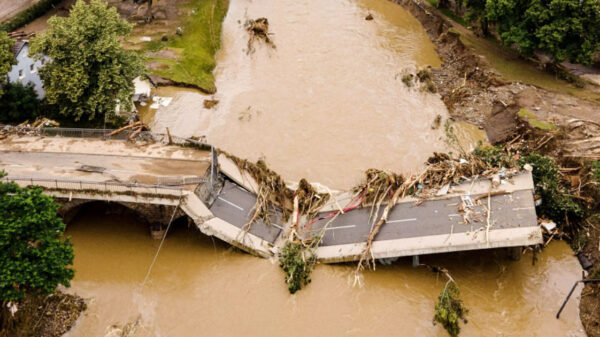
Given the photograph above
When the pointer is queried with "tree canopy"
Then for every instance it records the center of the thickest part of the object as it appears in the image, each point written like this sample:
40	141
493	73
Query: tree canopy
566	29
89	72
7	59
18	103
34	256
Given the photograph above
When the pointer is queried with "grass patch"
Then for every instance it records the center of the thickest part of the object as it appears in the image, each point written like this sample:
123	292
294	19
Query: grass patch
534	122
460	20
200	41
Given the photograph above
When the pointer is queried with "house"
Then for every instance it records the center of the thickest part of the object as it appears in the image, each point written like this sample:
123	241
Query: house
26	69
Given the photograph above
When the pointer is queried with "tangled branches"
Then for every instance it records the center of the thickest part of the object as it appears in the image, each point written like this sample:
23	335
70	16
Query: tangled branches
258	30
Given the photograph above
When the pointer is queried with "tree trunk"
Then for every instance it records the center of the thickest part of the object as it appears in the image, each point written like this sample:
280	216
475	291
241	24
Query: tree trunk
149	11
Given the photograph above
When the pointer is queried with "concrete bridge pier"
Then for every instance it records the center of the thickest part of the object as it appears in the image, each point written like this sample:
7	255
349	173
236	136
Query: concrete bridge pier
415	261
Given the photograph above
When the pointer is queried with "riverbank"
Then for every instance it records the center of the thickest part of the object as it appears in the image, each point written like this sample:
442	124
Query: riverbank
50	316
181	42
473	91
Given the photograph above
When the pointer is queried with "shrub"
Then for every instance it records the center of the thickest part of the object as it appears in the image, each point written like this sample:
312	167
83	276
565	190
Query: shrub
556	201
450	310
297	262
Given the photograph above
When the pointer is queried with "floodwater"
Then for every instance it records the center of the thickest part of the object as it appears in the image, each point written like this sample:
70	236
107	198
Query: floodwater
201	287
328	102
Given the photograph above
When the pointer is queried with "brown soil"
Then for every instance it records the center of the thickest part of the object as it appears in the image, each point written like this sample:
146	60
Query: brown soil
50	316
590	297
474	92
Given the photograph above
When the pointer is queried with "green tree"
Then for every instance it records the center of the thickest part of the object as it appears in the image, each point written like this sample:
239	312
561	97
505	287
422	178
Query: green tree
566	29
7	58
90	71
34	256
18	103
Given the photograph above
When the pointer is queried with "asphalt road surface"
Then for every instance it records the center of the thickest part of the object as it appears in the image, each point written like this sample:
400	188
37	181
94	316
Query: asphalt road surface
236	206
433	217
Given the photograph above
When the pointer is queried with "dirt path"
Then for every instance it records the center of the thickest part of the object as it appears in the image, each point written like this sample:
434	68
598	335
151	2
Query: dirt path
10	8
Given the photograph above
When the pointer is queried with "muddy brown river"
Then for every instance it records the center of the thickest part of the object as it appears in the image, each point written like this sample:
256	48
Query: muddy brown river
201	287
329	101
326	104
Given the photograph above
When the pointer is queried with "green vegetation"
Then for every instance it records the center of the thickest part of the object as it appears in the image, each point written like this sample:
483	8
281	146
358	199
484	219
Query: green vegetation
450	310
566	29
494	156
7	59
297	262
596	171
34	255
534	122
557	203
90	72
18	103
408	80
195	47
26	16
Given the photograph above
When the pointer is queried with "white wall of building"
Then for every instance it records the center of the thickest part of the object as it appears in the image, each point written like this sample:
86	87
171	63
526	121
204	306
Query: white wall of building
27	71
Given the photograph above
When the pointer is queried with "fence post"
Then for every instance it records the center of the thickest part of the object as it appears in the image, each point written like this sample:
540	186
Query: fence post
56	183
80	185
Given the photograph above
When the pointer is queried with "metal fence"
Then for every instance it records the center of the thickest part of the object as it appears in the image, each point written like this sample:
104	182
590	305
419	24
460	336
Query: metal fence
97	186
178	181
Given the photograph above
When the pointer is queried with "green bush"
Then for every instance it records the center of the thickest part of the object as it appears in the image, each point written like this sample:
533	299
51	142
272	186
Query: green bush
450	310
556	201
297	262
494	156
29	14
596	171
18	103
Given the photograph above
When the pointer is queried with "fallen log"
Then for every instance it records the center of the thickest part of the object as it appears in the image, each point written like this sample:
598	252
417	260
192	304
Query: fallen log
130	126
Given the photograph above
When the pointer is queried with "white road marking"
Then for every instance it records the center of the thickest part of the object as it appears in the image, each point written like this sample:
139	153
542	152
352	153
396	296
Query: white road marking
231	203
277	226
402	220
451	215
522	208
341	227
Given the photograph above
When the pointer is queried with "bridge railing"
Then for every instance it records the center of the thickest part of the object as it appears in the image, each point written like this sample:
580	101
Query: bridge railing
96	186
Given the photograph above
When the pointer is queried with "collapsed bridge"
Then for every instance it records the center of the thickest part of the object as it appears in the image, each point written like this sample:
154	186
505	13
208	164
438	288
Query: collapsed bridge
219	198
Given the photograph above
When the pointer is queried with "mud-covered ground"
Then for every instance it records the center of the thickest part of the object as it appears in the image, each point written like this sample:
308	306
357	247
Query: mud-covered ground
474	92
50	316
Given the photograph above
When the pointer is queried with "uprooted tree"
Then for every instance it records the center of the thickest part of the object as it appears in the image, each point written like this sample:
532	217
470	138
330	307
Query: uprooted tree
90	73
34	255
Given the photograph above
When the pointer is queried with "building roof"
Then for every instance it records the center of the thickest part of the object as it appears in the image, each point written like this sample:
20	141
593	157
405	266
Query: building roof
19	44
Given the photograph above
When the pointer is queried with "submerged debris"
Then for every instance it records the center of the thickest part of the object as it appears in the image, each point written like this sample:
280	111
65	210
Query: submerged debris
258	30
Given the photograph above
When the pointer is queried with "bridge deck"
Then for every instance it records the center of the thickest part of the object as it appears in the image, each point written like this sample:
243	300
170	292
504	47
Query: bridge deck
432	226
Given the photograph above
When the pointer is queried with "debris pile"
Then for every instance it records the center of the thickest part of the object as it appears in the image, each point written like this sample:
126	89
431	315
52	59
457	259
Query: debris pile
258	30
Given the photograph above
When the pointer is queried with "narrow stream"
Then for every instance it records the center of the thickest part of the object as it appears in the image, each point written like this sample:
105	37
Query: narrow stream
201	287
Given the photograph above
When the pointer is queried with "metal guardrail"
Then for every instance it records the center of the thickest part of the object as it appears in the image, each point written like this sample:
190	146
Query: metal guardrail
99	186
177	181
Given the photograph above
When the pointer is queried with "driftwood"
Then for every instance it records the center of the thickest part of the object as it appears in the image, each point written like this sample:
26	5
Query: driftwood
130	126
258	30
